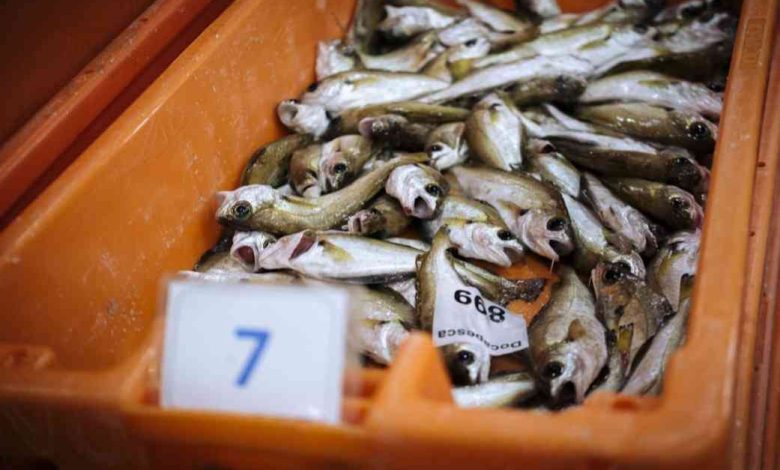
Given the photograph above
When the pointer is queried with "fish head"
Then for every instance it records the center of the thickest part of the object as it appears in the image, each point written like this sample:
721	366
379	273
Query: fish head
684	207
366	222
675	263
237	207
285	250
487	242
342	159
546	232
303	118
384	127
247	247
615	287
632	259
446	146
698	128
541	147
567	368
474	48
420	189
467	363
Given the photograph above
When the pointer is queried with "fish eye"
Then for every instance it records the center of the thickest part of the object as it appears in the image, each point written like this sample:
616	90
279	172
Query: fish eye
556	224
433	189
312	87
552	370
612	275
266	243
505	235
437	148
640	28
340	168
681	161
471	43
716	86
548	148
678	203
495	106
466	357
698	130
242	210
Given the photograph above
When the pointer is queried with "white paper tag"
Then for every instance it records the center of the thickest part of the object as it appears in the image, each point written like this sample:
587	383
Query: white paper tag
249	348
463	316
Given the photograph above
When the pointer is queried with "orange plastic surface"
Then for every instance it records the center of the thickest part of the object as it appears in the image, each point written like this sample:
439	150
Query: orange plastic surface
38	151
79	272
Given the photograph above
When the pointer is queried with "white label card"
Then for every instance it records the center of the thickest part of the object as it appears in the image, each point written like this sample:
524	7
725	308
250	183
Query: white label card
249	348
463	316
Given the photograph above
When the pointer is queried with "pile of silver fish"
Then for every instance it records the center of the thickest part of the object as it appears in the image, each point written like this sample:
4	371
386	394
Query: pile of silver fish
440	140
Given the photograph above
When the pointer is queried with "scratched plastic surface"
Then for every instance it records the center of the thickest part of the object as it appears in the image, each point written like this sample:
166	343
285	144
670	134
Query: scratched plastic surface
79	272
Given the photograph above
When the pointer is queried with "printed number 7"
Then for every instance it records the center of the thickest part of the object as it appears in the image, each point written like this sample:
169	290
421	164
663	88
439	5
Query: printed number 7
261	338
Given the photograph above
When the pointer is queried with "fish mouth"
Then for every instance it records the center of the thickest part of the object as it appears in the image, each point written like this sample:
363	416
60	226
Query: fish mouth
546	235
286	249
246	255
303	118
364	222
421	208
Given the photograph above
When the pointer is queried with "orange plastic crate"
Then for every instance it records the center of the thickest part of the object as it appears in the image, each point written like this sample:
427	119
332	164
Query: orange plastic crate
79	272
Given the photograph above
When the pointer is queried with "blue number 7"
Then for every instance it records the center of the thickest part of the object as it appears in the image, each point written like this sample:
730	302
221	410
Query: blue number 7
261	338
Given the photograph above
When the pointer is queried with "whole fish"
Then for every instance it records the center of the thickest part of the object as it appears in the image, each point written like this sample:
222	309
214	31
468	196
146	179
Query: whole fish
595	243
632	313
619	216
407	21
364	88
499	20
647	376
699	65
450	64
454	207
419	189
339	256
269	164
558	89
383	323
552	167
559	42
446	146
674	264
396	132
618	156
495	134
260	207
567	341
655	89
342	160
530	209
700	33
506	390
333	56
383	218
409	58
349	121
668	204
682	128
500	75
486	242
304	118
619	47
305	171
249	246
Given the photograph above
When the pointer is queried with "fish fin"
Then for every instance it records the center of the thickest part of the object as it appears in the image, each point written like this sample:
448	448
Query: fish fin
307	240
